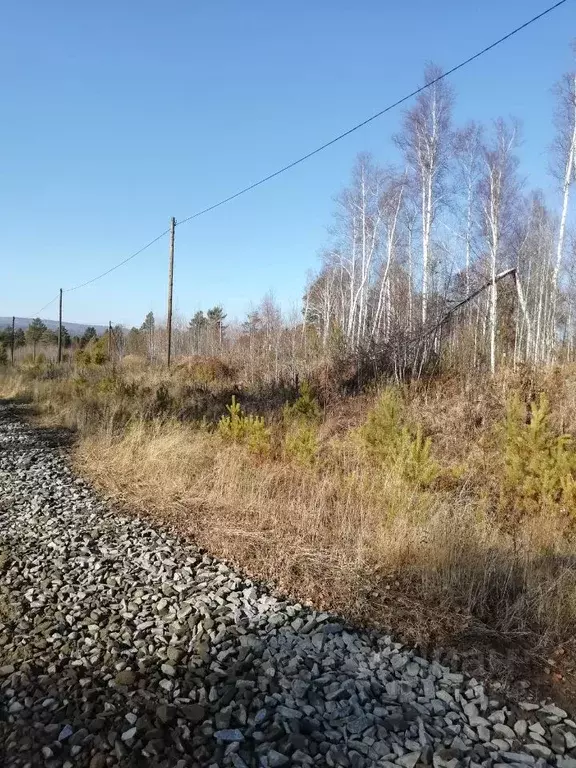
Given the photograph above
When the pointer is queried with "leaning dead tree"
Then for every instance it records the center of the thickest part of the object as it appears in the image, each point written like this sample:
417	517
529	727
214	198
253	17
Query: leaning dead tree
415	353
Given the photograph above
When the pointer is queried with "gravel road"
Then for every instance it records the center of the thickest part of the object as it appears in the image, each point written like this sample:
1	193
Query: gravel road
121	644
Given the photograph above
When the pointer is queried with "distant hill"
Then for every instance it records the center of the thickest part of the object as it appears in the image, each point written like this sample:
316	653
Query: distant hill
74	329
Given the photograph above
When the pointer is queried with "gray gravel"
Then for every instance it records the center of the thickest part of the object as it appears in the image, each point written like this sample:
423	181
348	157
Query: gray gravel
121	644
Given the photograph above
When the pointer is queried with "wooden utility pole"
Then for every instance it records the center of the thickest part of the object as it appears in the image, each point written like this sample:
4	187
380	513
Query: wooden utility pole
60	329
12	341
170	289
109	340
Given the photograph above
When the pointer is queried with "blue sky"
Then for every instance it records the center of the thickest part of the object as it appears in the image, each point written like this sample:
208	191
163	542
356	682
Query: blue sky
115	116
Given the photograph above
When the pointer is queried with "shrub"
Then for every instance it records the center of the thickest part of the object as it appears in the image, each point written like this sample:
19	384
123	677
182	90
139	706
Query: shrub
304	408
257	435
204	370
232	427
249	430
80	357
94	353
107	385
414	459
163	402
394	445
381	431
134	363
301	444
80	385
3	355
98	355
33	368
51	371
539	468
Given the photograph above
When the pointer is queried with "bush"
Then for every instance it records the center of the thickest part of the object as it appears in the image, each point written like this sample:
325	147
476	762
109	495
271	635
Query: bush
134	363
204	370
539	468
249	430
108	385
3	355
414	459
80	385
51	371
163	401
94	353
305	408
33	368
301	444
394	445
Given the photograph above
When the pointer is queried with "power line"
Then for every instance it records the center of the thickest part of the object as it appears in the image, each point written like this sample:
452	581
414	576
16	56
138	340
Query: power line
327	144
117	266
107	272
376	115
37	314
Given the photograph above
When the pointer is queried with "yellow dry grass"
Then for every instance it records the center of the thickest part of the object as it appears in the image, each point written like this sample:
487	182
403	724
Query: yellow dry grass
430	561
343	532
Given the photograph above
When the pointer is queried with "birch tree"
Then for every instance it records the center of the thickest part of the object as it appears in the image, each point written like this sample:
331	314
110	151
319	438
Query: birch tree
357	233
563	167
390	206
270	316
497	190
425	143
468	154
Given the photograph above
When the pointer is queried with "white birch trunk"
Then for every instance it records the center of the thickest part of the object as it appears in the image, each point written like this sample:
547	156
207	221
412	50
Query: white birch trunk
568	177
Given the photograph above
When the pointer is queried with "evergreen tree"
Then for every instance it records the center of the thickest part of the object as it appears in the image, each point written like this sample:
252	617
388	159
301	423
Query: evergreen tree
135	341
197	326
34	334
66	340
149	322
49	337
216	317
19	338
148	327
88	335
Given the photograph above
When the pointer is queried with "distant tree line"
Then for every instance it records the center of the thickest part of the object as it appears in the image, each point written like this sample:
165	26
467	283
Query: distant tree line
38	335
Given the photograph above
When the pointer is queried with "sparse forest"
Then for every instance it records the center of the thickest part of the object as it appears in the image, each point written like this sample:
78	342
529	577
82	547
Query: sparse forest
409	277
425	386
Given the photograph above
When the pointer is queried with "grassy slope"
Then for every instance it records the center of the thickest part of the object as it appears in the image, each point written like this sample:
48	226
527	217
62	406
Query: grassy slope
445	561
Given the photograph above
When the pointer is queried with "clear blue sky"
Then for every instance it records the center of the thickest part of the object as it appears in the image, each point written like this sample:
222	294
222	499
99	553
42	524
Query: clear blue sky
115	116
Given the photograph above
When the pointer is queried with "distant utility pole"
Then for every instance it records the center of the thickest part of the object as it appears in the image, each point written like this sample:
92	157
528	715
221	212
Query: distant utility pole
60	329
12	341
109	340
170	289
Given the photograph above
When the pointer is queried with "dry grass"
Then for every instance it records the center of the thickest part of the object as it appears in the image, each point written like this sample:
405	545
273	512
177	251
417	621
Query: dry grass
432	559
336	532
14	386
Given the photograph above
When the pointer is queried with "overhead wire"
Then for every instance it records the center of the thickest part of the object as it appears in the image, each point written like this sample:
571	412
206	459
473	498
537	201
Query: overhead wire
46	305
376	115
326	145
120	264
